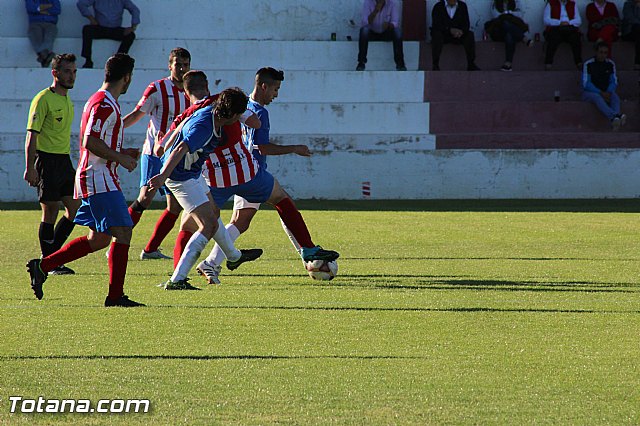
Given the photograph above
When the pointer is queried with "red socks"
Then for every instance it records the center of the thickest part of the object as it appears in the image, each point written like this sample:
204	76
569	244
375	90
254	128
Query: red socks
135	216
76	249
181	243
118	258
294	221
164	225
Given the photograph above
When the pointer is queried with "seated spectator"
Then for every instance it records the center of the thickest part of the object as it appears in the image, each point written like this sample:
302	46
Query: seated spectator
450	24
562	21
507	25
599	82
631	26
43	20
604	22
380	23
105	21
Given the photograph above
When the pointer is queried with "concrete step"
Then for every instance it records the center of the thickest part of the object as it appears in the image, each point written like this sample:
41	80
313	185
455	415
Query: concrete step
475	141
524	117
299	86
490	56
286	118
225	54
524	86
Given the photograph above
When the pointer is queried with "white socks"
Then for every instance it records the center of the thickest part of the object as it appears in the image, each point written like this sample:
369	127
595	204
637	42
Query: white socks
190	256
224	240
217	256
291	237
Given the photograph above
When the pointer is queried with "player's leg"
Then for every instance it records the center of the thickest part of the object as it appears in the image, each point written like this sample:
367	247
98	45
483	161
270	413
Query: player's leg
149	167
294	221
164	225
243	213
118	261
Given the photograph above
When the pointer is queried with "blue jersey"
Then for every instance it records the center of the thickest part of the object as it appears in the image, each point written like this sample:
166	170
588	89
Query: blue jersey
197	132
253	137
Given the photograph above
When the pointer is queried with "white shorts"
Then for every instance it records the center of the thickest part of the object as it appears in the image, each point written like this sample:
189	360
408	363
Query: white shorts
191	193
240	203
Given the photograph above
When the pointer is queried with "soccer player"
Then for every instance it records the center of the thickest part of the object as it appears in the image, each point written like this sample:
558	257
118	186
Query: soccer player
103	208
182	160
227	176
48	165
163	100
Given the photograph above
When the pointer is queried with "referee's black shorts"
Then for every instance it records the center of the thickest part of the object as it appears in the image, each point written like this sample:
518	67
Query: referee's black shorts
56	174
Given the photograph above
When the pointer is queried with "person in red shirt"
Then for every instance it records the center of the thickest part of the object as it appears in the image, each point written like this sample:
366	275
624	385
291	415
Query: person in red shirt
604	22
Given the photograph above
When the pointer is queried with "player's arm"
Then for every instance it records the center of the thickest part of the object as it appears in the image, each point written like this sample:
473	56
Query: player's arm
274	149
174	158
30	174
250	119
164	142
99	148
133	117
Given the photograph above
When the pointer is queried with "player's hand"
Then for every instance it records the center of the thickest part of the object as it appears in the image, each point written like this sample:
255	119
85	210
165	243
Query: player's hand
131	152
128	162
156	182
302	150
31	176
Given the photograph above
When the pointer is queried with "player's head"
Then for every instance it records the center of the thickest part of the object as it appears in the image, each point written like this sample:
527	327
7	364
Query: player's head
179	63
118	68
602	51
230	105
196	85
268	81
63	69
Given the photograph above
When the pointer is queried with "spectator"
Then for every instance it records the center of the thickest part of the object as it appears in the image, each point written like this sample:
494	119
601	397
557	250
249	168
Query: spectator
562	21
604	22
380	22
105	21
631	26
43	18
599	82
450	24
507	25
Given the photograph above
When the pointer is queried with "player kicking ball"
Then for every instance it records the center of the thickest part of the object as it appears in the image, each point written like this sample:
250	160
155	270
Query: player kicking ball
197	137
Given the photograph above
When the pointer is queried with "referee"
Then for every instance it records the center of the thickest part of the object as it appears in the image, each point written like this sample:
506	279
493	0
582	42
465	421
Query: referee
48	165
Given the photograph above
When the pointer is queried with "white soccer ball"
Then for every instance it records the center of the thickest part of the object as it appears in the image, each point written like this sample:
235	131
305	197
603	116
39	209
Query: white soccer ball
322	270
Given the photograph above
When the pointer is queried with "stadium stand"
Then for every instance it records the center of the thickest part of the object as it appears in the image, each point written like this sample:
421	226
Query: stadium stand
414	134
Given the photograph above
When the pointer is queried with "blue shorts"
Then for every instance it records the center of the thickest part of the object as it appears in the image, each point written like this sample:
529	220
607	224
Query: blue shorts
104	210
150	165
257	190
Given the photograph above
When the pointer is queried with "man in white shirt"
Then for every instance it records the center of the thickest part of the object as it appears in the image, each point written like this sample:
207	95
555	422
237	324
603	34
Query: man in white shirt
380	22
562	21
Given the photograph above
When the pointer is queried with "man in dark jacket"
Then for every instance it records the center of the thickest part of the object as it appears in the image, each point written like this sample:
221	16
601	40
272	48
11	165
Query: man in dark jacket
450	24
599	82
43	17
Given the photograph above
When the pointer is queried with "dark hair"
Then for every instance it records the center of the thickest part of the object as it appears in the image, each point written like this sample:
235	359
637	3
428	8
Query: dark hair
600	44
117	67
195	80
179	52
56	63
268	75
499	5
230	102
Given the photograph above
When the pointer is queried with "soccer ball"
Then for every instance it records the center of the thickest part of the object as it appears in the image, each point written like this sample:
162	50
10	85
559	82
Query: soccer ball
322	270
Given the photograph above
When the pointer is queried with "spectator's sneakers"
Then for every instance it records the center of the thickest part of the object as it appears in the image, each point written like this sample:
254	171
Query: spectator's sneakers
88	64
623	119
401	67
506	68
123	302
473	67
360	67
616	122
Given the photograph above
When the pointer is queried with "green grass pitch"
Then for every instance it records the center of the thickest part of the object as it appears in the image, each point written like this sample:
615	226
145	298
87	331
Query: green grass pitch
503	314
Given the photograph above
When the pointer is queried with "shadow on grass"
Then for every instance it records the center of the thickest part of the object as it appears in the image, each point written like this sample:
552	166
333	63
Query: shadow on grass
206	357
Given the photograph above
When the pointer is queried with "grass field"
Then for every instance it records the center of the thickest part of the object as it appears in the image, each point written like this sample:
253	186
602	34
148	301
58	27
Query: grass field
436	317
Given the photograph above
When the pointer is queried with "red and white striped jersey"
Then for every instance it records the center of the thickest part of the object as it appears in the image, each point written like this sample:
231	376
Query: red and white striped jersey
232	163
163	101
101	118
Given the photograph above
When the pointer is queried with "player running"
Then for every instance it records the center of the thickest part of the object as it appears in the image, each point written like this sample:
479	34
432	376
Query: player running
162	100
103	208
